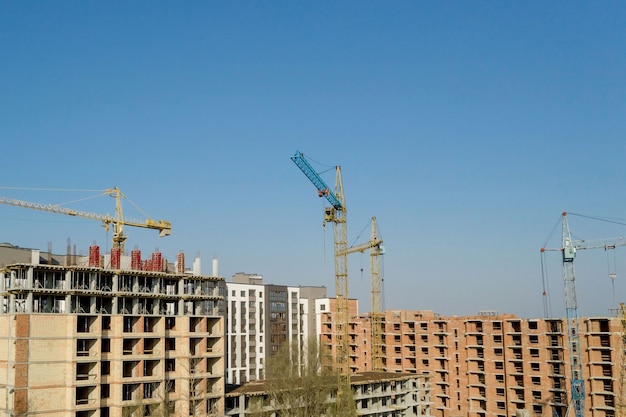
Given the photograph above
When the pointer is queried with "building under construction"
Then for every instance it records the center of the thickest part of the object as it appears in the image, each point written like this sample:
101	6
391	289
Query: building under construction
498	365
108	335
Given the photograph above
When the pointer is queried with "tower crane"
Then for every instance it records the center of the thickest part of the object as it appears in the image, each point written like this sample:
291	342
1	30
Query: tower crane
376	248
621	399
336	214
118	222
568	250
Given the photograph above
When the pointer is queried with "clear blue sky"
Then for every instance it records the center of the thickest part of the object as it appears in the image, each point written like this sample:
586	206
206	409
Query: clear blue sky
466	128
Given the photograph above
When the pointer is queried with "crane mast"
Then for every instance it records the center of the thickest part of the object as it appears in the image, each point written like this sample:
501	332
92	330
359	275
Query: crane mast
621	399
568	249
577	382
376	250
336	214
119	238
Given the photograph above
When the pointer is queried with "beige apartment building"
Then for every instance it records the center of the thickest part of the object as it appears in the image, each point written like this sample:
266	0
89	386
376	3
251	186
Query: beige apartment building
496	365
377	394
108	336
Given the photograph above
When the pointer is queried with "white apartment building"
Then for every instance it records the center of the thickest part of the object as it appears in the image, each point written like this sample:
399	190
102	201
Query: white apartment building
261	317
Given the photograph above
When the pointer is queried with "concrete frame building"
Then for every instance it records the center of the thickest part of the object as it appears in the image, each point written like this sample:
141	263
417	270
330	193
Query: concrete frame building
128	338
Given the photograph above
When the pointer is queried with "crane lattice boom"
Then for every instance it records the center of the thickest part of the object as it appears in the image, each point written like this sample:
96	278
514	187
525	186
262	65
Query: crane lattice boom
163	226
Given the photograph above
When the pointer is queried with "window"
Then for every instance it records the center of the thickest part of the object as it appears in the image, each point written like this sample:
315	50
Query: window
534	353
425	338
497	351
500	392
532	325
424	326
105	368
497	338
499	377
537	395
499	365
243	293
534	366
497	325
536	380
170	344
170	323
500	405
170	385
533	338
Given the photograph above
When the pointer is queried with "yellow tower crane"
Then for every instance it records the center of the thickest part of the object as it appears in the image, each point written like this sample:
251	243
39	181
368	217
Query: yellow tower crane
375	246
118	222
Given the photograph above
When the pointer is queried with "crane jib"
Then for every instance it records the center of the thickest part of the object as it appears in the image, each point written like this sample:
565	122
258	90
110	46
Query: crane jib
322	187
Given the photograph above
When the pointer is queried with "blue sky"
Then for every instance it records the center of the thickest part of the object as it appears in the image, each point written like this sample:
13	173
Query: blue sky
466	128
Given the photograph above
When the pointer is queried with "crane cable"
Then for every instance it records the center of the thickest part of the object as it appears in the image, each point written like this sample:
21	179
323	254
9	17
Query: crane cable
545	295
382	273
602	219
612	269
544	272
86	190
547	304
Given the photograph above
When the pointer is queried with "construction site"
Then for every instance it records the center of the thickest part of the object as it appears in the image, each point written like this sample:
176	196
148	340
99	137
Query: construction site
143	336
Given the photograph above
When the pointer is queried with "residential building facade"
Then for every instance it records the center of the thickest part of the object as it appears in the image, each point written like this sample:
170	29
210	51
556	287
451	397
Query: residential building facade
260	318
497	365
377	394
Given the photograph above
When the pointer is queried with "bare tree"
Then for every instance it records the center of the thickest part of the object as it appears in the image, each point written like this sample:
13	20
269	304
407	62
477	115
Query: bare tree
298	385
168	396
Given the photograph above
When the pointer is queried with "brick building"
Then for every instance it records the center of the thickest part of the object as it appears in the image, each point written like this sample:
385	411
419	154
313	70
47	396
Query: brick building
494	365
